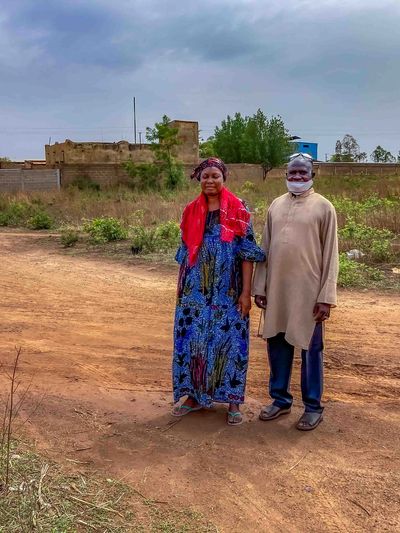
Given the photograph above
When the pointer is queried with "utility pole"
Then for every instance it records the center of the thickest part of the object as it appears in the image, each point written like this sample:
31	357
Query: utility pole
134	119
140	138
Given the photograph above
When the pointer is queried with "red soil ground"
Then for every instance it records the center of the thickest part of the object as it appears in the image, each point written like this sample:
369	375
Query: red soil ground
96	342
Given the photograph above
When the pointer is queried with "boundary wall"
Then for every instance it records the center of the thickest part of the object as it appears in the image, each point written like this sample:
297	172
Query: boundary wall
24	180
44	178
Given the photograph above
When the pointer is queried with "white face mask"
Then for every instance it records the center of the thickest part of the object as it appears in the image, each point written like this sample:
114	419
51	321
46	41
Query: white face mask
298	187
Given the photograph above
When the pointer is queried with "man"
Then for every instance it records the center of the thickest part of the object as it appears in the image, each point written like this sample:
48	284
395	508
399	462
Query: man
296	285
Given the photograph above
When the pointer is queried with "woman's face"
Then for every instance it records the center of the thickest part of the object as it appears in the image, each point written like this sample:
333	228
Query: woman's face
211	181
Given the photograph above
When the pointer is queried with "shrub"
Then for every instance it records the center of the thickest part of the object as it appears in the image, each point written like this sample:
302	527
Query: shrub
15	213
174	177
373	242
69	237
248	186
143	176
353	274
168	235
143	240
40	220
105	229
162	238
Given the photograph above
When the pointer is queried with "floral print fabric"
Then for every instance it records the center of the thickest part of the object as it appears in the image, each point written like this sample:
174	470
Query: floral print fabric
211	340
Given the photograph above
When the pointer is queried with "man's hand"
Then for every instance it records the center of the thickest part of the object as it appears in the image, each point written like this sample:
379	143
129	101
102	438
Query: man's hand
321	312
244	304
260	301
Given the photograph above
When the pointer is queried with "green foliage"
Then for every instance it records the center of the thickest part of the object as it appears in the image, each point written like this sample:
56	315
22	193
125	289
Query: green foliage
69	237
5	159
85	183
207	148
353	274
266	142
373	211
40	220
175	177
255	139
354	207
373	242
162	238
24	213
143	176
163	139
228	138
15	213
380	155
168	234
105	229
248	186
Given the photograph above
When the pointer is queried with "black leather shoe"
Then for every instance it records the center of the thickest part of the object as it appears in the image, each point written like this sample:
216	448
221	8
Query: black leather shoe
270	412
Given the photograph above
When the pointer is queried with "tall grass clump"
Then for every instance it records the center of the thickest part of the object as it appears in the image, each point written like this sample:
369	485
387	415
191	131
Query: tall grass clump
69	237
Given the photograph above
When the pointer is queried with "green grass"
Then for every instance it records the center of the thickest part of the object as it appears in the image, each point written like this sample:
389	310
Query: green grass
44	496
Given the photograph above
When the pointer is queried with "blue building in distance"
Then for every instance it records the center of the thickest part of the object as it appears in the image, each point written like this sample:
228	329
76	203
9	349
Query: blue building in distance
305	147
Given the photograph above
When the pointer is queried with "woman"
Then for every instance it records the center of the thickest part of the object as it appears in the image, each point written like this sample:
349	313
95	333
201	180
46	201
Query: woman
211	335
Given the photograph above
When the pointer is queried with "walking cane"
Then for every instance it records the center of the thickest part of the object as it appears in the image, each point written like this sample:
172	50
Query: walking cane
261	323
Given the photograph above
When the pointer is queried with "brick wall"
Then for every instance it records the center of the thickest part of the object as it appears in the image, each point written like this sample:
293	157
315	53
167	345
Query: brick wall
244	172
109	174
102	173
19	179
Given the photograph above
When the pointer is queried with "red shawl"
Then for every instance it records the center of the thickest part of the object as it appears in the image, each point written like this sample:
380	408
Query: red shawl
234	220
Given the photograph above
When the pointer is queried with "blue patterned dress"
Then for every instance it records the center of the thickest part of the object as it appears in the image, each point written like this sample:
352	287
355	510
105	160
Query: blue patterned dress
211	340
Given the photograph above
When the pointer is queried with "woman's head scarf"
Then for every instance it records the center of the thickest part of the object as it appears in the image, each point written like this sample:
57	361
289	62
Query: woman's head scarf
210	162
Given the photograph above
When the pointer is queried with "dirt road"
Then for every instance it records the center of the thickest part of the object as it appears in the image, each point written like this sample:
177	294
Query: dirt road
96	339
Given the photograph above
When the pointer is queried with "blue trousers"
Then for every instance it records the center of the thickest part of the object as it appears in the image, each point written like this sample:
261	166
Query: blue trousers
280	354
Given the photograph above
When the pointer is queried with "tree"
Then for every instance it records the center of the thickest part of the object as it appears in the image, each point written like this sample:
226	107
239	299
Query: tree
253	140
163	139
4	159
380	155
362	157
398	157
207	148
228	138
348	150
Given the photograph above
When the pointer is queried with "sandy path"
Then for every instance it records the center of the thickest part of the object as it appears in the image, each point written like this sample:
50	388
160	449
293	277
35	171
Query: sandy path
96	337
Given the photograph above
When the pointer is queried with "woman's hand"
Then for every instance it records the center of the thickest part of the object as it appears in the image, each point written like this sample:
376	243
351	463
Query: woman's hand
260	301
244	304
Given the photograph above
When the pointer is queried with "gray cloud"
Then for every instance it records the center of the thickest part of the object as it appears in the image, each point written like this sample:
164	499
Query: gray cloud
328	68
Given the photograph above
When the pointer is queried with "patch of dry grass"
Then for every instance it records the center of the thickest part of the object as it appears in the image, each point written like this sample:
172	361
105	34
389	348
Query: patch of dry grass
44	496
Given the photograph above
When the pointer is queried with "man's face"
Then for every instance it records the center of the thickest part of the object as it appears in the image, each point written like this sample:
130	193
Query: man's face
299	170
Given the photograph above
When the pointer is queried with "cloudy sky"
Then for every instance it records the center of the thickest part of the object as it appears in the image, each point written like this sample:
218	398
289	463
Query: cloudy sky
70	69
